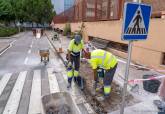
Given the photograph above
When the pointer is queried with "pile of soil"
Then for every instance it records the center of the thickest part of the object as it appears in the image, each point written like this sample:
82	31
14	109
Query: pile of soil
109	105
54	107
63	109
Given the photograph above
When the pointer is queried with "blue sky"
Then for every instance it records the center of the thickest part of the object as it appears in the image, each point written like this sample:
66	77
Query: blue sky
58	5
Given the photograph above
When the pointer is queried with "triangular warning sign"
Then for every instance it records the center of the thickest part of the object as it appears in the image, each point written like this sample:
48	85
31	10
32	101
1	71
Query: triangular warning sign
137	25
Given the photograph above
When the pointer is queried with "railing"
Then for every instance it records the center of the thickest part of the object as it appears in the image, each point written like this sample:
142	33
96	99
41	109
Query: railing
91	10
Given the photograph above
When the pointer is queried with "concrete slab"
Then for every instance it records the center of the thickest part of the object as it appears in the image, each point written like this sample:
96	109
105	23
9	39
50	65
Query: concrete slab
146	107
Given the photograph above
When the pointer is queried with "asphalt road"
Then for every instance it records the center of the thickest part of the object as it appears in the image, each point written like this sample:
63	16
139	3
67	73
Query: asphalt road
23	55
24	79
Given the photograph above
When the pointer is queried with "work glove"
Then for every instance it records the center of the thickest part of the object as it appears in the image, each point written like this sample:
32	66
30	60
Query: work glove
69	64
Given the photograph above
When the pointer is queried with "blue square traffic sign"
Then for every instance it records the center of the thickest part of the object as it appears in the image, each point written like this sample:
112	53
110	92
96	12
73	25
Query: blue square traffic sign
136	21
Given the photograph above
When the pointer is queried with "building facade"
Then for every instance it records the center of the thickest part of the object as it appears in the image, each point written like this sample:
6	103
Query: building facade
103	20
68	4
62	5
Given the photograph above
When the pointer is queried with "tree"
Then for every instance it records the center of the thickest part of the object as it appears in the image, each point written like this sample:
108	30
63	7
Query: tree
38	11
48	11
19	10
6	12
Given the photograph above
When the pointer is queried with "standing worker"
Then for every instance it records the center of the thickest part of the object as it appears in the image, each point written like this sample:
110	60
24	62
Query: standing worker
75	47
107	61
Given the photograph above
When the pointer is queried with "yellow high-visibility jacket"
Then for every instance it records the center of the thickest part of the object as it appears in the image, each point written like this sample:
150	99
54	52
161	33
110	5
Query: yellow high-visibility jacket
75	48
102	59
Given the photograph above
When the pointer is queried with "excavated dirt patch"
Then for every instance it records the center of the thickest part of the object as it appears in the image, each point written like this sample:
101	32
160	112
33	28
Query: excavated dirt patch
109	105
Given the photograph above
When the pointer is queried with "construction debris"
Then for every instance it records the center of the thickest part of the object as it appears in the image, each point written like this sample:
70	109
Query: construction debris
103	106
59	103
60	109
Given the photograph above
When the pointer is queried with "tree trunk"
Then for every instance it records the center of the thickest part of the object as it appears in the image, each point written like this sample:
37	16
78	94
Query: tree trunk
44	26
15	24
32	24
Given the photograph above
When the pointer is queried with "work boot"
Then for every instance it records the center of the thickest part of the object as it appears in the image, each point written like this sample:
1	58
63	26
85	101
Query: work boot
106	96
75	80
69	85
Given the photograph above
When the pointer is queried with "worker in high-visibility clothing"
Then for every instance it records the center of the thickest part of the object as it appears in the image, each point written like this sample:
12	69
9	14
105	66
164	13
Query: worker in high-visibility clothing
76	45
107	61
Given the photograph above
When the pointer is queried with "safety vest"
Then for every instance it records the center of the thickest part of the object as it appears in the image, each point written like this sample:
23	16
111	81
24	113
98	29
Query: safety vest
102	59
75	49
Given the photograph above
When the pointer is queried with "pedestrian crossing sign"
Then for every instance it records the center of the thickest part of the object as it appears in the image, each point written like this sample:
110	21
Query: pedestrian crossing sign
136	21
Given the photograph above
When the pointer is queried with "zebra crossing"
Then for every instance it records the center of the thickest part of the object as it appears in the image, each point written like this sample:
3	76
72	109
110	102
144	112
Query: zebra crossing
20	93
15	88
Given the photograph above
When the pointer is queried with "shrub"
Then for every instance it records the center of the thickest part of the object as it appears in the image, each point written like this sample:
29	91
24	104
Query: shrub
67	29
6	31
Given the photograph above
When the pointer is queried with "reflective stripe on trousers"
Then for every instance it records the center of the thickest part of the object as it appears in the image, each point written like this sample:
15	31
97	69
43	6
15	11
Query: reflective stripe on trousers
70	73
107	90
76	73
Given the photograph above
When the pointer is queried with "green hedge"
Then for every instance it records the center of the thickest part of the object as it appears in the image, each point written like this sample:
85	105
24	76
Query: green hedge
6	31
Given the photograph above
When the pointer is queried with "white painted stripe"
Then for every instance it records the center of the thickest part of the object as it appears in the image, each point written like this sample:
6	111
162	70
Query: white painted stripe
31	46
122	61
8	47
50	43
14	99
5	50
3	82
64	74
89	108
26	60
42	109
29	51
53	84
35	98
140	66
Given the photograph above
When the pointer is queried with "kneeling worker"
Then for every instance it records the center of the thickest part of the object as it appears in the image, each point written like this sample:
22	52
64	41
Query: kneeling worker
107	61
75	47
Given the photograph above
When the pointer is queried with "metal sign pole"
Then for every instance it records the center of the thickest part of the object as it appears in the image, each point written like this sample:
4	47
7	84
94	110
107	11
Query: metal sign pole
127	74
126	77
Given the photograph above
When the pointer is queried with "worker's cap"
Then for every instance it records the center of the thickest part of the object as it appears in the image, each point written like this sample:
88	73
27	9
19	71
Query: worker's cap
77	39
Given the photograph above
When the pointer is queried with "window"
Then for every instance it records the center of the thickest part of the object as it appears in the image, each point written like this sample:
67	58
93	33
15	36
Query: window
163	58
104	9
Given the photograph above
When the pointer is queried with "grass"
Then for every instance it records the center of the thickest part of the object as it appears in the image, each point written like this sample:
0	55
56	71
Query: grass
7	31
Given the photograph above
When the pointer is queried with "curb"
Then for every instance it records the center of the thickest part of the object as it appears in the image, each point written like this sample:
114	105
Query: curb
2	50
55	49
64	65
9	37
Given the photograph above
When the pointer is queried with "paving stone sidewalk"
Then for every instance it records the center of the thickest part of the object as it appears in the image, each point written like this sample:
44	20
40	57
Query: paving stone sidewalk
146	105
